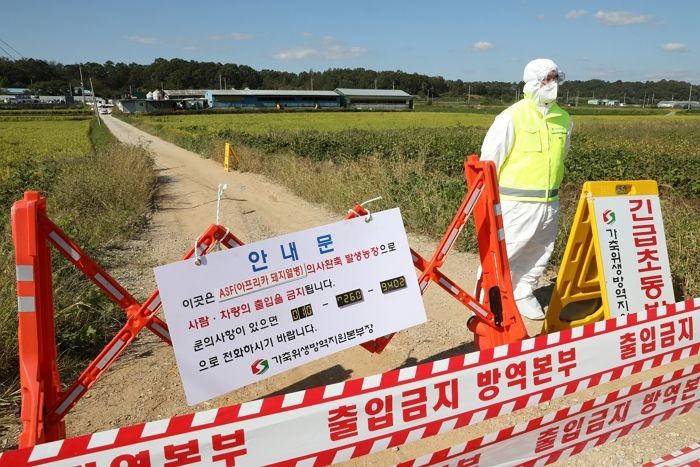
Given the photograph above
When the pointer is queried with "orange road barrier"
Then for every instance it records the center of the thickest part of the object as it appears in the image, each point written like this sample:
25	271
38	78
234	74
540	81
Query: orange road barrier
44	405
496	320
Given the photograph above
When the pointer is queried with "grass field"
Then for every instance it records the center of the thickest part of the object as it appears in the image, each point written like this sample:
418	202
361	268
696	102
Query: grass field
98	192
318	121
38	137
414	160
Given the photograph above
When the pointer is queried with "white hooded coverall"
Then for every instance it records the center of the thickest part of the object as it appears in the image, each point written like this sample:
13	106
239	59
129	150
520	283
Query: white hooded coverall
530	227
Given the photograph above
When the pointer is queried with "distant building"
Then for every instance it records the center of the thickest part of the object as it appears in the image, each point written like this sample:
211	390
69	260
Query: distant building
678	104
271	99
177	94
28	100
376	99
195	99
16	91
608	102
146	106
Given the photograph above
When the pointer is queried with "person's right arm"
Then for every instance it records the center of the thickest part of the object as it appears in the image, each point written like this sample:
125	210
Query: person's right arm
498	141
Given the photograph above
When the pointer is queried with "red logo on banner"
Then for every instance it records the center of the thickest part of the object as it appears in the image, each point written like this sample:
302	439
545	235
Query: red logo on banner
259	366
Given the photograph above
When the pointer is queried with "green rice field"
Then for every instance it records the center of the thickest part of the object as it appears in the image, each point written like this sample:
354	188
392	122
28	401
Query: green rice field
414	160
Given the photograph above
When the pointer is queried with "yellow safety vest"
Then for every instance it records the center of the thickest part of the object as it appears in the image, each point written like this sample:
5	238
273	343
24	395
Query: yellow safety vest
534	169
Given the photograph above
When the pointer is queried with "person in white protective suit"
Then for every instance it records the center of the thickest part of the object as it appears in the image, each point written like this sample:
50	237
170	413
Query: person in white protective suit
528	143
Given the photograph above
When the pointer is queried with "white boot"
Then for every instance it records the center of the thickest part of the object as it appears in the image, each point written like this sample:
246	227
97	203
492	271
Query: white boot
529	307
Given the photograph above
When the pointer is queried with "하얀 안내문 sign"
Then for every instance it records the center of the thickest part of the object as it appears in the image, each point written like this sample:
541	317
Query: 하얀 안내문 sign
261	309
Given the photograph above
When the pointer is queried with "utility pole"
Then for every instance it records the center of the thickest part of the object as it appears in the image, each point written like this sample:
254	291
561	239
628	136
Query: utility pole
644	101
82	87
469	94
94	102
690	94
375	83
220	82
312	83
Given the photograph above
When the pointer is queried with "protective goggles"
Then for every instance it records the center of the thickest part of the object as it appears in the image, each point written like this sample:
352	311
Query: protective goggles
552	76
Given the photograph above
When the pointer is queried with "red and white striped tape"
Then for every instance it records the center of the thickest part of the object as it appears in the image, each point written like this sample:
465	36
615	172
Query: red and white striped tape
686	456
334	423
549	438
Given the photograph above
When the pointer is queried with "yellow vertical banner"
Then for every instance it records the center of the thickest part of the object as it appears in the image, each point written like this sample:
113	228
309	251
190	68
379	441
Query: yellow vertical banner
615	261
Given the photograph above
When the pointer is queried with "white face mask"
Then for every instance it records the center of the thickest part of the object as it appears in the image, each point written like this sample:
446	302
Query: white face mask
547	93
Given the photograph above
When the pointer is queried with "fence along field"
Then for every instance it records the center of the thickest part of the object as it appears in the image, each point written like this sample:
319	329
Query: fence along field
414	160
98	191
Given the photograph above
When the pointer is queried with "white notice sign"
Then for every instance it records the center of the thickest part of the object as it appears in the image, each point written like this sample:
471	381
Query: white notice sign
255	311
632	243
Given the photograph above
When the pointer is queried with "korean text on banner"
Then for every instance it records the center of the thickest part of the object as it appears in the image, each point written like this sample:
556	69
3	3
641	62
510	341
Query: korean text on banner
335	423
632	243
556	436
261	309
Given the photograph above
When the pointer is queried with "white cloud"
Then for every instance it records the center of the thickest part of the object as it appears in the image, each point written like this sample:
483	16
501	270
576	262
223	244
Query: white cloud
307	34
329	48
190	48
674	47
481	46
573	14
621	18
333	49
299	53
233	36
142	40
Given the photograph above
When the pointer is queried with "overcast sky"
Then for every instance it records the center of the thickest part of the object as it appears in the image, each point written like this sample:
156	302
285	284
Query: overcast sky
468	40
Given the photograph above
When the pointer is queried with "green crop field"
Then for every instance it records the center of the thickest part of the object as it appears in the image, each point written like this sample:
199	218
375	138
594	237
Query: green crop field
262	122
318	121
414	160
38	137
98	192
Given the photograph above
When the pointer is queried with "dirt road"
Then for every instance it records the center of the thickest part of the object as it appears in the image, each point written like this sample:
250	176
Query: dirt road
144	385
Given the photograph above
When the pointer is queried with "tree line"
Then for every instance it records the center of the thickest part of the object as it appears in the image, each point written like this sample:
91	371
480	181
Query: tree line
115	80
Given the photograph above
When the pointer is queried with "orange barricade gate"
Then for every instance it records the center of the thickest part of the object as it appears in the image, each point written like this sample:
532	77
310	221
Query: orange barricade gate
496	319
44	406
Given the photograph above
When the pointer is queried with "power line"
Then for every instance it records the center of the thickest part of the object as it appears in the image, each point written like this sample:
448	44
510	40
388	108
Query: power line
10	46
7	53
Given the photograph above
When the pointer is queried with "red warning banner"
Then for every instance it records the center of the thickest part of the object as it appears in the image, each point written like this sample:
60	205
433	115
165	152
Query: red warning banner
331	424
559	435
686	456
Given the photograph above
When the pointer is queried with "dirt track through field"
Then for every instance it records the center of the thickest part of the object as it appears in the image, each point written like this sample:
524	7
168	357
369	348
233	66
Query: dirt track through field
144	385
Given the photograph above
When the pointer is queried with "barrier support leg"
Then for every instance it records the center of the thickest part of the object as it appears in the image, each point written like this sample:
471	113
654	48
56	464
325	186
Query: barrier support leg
494	288
39	379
